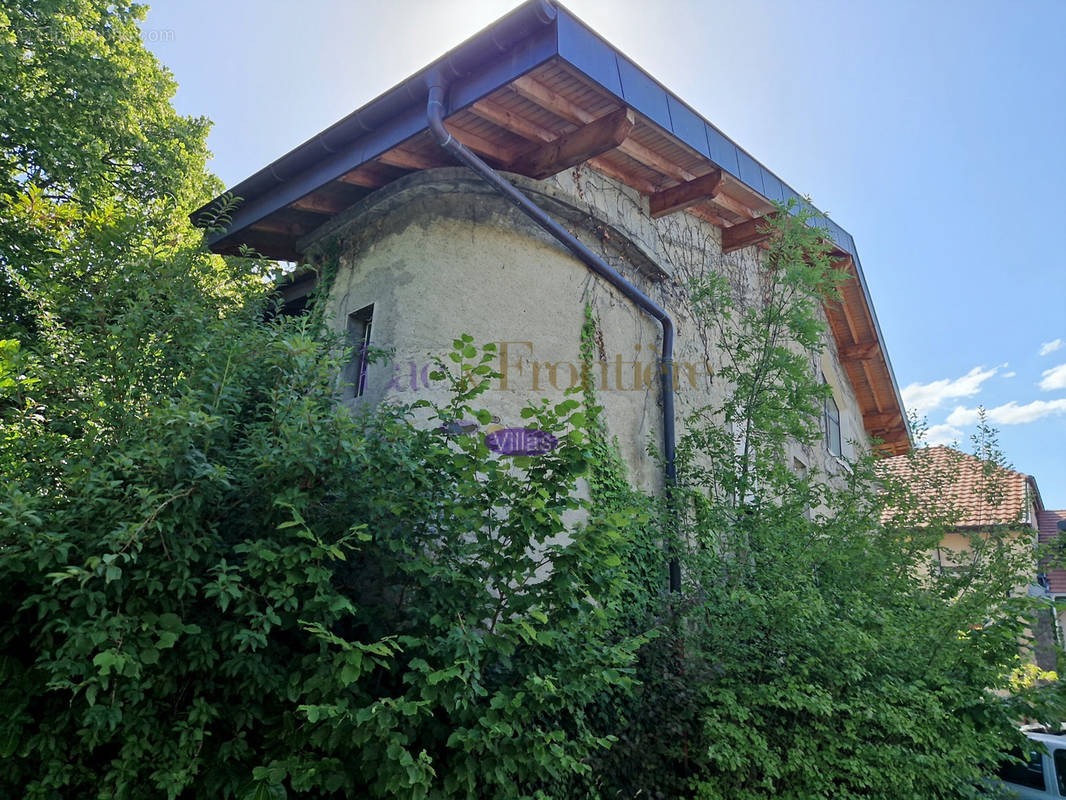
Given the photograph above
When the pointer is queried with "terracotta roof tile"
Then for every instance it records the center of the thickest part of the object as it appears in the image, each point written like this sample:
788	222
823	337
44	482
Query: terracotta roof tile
956	481
1048	522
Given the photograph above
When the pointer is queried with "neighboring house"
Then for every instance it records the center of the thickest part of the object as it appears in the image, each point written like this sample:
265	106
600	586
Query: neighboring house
976	497
425	248
1052	527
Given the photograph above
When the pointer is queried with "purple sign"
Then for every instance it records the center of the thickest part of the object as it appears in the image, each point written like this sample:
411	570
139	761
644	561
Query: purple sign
520	442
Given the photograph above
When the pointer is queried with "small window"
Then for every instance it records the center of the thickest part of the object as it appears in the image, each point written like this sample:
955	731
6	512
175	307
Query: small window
359	324
832	426
1029	773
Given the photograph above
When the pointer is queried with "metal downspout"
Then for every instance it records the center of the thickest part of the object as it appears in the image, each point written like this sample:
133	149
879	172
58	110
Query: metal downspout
435	115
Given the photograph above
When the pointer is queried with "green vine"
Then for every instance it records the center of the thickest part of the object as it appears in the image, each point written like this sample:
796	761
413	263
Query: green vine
608	476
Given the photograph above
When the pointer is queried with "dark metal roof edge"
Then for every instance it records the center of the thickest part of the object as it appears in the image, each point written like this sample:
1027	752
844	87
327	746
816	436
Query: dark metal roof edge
581	47
591	54
398	114
339	138
588	52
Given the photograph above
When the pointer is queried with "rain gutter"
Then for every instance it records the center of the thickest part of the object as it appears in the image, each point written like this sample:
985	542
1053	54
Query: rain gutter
595	264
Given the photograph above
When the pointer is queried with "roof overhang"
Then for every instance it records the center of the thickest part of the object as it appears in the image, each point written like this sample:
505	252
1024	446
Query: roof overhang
536	93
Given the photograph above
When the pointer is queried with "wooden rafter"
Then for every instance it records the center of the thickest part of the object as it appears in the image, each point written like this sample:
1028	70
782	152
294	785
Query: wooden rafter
588	141
501	154
883	422
863	351
371	175
842	261
321	203
493	112
705	213
604	166
410	159
686	194
865	365
536	92
498	115
745	234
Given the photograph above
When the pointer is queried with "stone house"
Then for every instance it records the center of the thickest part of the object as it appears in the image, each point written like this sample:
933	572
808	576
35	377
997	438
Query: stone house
619	194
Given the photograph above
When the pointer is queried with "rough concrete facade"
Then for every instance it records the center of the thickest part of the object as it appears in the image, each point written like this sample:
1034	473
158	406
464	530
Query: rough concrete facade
439	253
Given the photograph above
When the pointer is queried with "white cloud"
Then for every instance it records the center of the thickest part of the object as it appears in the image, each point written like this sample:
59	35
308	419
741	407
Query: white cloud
1051	347
1009	413
924	397
1008	374
1054	378
942	434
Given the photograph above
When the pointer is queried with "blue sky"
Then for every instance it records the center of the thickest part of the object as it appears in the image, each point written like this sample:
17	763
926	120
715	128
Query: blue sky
934	132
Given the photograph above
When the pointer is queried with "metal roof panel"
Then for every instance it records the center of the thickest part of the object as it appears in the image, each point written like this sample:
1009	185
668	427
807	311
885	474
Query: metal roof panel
688	126
589	53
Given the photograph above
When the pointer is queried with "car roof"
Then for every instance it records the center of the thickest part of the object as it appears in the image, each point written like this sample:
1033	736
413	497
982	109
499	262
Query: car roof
1057	739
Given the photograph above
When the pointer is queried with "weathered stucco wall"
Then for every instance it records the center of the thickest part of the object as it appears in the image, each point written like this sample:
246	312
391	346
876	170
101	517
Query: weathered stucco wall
439	253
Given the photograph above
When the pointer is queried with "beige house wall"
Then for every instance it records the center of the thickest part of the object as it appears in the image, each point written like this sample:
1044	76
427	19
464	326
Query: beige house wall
439	254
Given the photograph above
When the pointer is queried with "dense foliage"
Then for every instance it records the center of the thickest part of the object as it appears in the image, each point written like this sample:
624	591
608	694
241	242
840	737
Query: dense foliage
86	123
818	650
219	582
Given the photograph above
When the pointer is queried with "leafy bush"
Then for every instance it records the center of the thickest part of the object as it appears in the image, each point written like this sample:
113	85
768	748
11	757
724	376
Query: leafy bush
218	582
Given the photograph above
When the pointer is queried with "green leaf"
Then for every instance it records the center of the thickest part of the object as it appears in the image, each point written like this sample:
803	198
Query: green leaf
9	742
106	661
170	622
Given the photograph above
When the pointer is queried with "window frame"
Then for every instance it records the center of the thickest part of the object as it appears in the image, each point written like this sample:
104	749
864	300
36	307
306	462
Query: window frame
834	418
360	325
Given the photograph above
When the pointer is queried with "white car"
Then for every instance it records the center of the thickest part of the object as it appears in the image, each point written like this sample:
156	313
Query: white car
1043	775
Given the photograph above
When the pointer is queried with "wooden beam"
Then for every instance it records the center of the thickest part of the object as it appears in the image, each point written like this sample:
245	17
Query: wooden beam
371	175
536	92
882	422
873	386
842	263
704	213
321	203
541	95
864	351
479	144
410	159
649	158
508	120
746	234
724	200
515	123
570	149
604	166
681	197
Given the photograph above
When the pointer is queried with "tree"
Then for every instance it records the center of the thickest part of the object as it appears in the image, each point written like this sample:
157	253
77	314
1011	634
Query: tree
86	130
814	653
